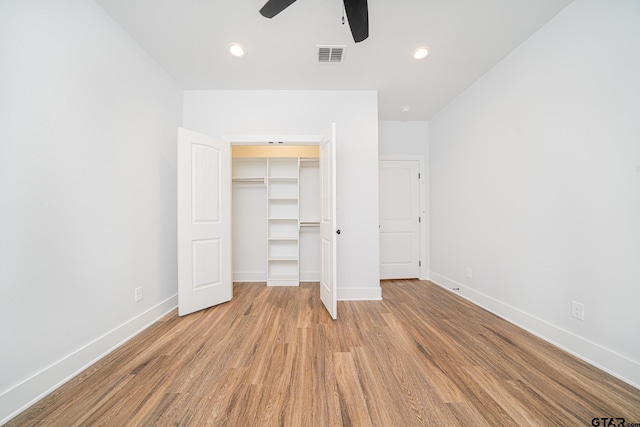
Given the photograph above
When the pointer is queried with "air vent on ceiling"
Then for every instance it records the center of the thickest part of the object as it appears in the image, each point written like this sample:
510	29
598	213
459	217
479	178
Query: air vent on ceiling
333	54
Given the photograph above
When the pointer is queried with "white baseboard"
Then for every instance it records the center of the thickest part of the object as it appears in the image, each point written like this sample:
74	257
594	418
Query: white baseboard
360	294
249	276
21	396
602	358
309	276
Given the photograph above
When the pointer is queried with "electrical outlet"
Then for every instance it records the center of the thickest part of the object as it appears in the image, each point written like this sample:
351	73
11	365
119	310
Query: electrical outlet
138	294
469	273
577	310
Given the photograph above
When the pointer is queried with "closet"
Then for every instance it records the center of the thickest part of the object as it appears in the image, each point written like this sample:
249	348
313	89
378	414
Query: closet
275	214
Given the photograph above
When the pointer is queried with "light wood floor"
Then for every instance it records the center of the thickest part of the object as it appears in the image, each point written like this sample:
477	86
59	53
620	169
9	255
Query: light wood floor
272	356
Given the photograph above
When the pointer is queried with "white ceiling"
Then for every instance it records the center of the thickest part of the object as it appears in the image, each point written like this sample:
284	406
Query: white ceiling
189	39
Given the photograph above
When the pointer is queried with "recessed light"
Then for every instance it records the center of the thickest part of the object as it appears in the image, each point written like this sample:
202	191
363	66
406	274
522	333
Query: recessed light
236	50
420	53
405	109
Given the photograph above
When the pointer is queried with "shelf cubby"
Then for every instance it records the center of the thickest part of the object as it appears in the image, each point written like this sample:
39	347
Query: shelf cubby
283	222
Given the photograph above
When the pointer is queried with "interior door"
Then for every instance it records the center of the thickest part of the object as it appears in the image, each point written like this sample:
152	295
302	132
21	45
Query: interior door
399	219
328	232
204	222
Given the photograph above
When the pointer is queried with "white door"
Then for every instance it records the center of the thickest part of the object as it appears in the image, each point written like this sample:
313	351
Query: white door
399	219
204	222
328	232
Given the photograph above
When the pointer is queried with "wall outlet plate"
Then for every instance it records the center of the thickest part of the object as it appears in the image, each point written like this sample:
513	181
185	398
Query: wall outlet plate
138	294
577	310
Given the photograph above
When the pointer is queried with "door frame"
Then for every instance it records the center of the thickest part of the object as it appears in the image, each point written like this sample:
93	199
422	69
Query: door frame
424	208
273	139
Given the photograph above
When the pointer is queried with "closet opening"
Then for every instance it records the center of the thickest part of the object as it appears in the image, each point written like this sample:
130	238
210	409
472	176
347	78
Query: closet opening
276	212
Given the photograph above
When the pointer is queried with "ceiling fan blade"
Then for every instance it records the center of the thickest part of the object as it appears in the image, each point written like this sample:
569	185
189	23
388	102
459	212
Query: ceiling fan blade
274	7
358	16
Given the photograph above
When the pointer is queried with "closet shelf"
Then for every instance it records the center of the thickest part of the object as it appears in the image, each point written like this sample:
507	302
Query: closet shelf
248	180
309	224
284	198
283	239
283	178
284	258
284	277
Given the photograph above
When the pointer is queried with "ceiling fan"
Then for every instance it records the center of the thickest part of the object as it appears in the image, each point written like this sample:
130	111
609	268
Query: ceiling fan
357	14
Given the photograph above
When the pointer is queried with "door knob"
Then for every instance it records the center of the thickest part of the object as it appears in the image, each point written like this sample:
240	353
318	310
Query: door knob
337	231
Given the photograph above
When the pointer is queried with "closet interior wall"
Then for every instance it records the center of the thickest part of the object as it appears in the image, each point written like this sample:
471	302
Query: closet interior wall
275	215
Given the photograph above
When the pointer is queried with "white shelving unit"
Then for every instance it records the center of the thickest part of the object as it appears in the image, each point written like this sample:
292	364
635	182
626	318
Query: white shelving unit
309	235
276	217
283	221
249	169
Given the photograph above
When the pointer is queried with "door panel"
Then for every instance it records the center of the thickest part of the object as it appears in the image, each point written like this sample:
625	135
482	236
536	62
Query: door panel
207	263
397	182
397	247
205	200
399	216
328	272
204	222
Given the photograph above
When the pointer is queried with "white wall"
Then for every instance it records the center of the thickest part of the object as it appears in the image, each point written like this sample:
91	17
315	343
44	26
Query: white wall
87	192
220	113
249	232
535	185
400	138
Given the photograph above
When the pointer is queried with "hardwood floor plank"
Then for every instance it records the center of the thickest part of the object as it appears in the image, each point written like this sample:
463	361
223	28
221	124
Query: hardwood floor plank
353	405
274	357
467	415
545	409
445	389
420	403
302	380
499	391
165	412
375	389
